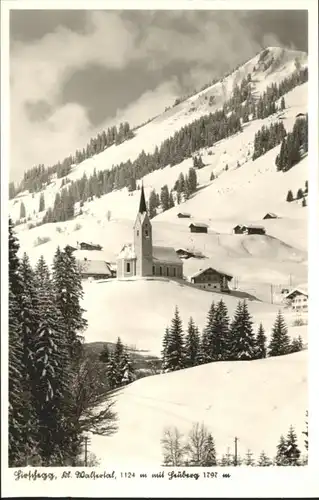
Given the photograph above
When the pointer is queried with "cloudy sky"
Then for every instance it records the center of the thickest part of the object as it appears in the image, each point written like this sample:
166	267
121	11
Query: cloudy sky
73	73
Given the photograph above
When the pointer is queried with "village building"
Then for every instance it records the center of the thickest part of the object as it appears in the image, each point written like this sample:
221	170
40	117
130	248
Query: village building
270	215
94	269
297	299
198	227
211	279
83	245
141	258
249	229
183	215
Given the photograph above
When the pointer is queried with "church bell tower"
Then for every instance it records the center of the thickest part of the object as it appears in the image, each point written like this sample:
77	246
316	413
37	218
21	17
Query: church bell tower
143	246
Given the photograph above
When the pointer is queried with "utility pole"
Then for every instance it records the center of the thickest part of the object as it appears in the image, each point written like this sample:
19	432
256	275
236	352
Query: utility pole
86	439
271	294
235	455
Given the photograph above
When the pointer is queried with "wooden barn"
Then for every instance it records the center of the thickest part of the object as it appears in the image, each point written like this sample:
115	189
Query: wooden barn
198	227
83	245
183	215
184	254
211	279
250	229
270	215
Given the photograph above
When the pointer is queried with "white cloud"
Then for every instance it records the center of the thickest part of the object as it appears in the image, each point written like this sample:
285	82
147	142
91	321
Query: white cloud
38	71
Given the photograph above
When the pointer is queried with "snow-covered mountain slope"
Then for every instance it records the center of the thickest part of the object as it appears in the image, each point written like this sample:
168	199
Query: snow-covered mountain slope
256	401
138	311
235	196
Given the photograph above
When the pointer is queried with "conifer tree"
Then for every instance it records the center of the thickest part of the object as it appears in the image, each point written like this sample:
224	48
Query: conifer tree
242	340
219	338
249	459
299	194
290	196
206	355
261	349
175	348
152	203
41	203
22	211
263	460
280	458
279	342
304	202
165	198
192	345
52	373
209	458
296	344
165	344
305	433
282	104
192	180
105	354
292	452
68	294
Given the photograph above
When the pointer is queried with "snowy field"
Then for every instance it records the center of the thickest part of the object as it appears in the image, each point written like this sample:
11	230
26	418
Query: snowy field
256	401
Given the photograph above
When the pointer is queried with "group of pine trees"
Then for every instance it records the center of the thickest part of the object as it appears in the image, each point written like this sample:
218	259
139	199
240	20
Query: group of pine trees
199	450
301	194
37	177
267	138
223	340
119	367
51	398
291	145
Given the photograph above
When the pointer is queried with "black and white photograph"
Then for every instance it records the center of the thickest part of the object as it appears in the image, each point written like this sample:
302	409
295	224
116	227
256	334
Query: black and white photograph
157	280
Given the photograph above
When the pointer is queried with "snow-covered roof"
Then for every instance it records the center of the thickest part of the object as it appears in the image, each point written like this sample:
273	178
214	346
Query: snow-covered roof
271	215
185	214
127	252
201	271
198	224
166	254
93	267
295	292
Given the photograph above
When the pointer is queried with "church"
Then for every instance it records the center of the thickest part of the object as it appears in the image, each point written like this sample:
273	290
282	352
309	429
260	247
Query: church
141	258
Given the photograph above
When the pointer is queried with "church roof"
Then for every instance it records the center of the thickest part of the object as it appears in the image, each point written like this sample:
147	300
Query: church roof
142	207
166	255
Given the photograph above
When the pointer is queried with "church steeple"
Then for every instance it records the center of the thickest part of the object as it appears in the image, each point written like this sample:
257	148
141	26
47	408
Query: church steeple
142	208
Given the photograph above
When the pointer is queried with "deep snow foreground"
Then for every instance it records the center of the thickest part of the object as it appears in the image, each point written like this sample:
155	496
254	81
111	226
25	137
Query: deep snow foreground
255	401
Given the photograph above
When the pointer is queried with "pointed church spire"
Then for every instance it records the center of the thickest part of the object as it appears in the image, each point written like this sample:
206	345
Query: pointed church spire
142	208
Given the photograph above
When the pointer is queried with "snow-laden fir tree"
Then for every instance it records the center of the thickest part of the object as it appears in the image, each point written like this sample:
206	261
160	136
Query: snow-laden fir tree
192	345
242	340
209	455
279	342
263	460
305	433
227	459
105	354
175	347
219	337
68	294
17	423
249	459
281	455
52	373
261	348
292	452
296	344
164	350
205	346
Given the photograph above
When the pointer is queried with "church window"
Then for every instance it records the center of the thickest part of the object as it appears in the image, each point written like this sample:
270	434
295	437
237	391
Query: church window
161	270
128	267
153	270
167	271
137	232
174	271
146	233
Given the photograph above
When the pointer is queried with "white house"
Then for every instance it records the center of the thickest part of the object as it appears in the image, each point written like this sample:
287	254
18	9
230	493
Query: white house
297	299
